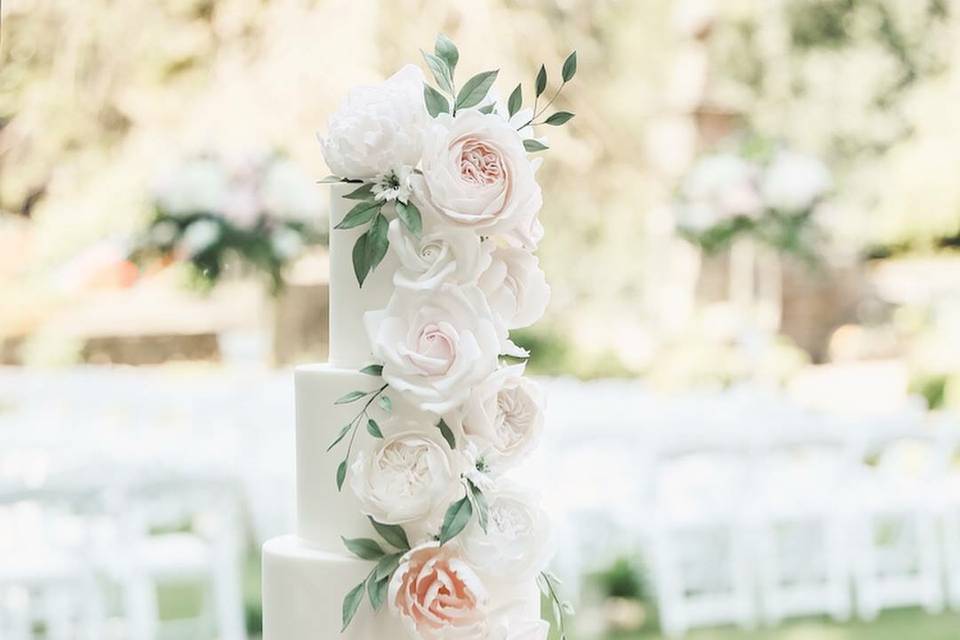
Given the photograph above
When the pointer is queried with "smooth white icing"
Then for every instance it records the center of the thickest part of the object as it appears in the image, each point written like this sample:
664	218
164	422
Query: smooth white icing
349	346
303	589
323	513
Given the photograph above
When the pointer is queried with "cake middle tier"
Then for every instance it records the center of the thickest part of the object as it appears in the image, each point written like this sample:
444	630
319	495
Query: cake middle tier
324	513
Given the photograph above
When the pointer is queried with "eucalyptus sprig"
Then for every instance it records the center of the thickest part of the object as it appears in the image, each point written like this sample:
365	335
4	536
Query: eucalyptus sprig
363	417
549	587
443	64
557	118
377	582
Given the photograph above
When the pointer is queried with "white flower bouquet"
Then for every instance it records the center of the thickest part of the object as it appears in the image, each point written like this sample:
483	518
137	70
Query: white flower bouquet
263	212
761	191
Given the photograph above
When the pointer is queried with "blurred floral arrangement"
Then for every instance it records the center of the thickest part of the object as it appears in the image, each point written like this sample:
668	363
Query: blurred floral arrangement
210	212
762	191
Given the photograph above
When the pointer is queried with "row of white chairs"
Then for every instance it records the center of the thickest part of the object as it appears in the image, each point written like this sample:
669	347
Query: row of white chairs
752	525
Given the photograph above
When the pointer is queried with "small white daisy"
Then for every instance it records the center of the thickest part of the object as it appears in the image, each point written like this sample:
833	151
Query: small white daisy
396	184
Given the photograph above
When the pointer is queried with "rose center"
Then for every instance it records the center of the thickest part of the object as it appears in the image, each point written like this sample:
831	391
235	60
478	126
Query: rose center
435	345
405	468
510	520
480	163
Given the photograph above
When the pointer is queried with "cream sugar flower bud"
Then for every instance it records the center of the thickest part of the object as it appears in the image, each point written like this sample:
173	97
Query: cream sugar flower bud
435	345
517	541
438	596
516	287
443	256
377	128
479	176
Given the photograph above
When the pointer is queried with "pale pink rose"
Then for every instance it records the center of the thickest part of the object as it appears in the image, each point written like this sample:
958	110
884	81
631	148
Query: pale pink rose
479	176
437	596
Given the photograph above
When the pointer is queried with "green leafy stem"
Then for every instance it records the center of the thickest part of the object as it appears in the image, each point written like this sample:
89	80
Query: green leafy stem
377	582
442	64
459	514
370	248
549	587
363	417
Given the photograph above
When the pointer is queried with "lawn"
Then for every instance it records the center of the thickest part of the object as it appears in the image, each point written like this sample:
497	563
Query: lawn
906	624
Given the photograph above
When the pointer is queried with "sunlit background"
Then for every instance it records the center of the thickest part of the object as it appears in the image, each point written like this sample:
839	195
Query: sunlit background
752	353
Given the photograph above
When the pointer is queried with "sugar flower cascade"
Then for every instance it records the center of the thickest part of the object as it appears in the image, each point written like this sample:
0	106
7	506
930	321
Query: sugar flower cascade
443	176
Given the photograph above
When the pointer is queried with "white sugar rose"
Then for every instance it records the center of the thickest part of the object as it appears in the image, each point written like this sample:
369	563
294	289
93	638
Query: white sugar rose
409	477
435	345
445	256
437	596
517	541
505	412
794	181
377	128
515	287
479	177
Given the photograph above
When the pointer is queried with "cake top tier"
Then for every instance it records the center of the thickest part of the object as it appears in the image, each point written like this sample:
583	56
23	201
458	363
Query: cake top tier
349	345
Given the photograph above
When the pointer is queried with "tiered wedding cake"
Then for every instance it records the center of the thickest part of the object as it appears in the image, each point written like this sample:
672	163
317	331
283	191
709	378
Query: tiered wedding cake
405	437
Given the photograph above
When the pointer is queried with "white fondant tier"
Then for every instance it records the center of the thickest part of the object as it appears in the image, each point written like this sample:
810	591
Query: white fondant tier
349	347
324	513
303	590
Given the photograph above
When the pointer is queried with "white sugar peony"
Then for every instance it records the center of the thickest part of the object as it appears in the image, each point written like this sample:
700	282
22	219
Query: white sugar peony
377	128
513	622
517	541
516	287
409	477
438	596
505	412
479	177
445	256
794	181
435	345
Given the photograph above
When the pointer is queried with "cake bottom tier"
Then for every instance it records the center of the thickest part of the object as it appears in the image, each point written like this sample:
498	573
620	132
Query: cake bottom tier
303	591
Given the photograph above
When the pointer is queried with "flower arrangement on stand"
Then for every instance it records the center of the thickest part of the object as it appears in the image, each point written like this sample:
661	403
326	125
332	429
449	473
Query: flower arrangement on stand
442	176
760	191
209	211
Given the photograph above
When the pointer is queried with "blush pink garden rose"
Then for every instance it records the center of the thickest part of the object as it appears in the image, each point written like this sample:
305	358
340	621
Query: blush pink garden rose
479	176
438	596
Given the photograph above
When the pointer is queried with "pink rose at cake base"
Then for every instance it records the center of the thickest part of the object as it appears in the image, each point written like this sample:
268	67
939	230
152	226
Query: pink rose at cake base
409	518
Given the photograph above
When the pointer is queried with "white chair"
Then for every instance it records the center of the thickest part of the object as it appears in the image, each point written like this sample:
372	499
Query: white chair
698	550
47	580
895	541
800	523
185	530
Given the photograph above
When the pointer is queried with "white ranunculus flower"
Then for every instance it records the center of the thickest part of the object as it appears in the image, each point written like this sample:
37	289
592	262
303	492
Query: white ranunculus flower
407	478
515	287
377	128
479	177
517	541
794	181
288	192
445	256
438	596
435	345
506	412
200	236
200	185
725	183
